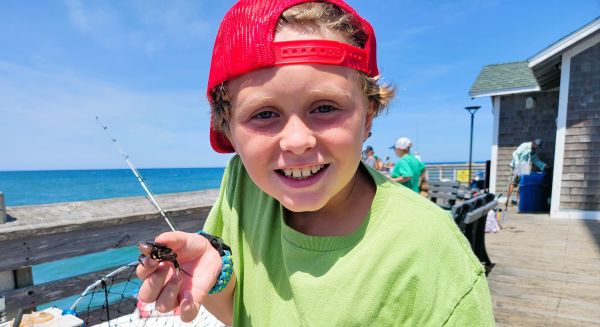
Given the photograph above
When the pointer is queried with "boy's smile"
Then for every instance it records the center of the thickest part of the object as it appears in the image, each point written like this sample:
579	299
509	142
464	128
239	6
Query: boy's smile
301	173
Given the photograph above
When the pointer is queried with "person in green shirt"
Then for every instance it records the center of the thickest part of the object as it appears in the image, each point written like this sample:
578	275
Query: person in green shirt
408	171
523	158
317	238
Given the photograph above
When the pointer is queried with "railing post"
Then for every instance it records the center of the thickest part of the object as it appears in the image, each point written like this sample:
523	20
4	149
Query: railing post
6	277
7	282
3	317
11	279
2	209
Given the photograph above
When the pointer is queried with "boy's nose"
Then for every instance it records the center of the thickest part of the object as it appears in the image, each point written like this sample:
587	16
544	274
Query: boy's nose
296	136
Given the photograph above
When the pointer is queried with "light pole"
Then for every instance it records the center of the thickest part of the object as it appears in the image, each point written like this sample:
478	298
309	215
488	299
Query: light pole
472	110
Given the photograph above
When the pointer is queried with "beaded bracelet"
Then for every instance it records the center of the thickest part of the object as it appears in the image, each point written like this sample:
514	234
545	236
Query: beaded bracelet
226	268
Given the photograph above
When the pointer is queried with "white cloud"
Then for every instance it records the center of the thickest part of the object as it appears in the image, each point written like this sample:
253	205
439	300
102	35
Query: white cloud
77	14
428	73
48	121
178	19
403	37
148	25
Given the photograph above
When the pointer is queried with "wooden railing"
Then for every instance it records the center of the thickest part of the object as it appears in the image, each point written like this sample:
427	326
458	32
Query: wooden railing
38	234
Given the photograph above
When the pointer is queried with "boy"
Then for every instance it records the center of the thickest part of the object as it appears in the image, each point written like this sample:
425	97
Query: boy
316	237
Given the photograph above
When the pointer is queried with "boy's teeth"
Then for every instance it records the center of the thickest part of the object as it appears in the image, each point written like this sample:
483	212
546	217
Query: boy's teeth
306	172
299	173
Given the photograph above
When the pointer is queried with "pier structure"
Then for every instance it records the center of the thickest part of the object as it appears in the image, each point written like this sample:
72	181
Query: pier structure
547	271
40	234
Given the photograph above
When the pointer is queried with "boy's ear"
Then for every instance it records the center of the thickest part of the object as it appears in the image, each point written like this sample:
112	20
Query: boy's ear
369	120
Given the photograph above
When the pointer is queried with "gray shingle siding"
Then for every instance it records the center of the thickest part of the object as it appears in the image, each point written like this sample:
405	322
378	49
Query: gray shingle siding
518	125
581	167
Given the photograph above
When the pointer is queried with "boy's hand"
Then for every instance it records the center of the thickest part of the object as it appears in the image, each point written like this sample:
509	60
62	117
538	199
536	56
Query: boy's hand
175	290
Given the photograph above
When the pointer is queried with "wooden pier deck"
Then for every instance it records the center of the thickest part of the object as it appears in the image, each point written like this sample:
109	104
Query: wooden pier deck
547	271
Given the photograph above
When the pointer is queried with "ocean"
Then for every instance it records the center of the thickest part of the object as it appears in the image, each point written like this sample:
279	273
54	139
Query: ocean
39	187
42	187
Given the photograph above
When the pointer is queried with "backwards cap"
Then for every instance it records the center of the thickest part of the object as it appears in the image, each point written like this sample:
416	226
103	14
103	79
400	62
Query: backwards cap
402	143
244	43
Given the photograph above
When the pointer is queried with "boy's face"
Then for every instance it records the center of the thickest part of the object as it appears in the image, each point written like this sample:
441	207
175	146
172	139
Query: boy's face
299	130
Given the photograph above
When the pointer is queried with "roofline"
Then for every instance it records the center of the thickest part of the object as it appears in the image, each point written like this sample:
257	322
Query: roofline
514	90
564	43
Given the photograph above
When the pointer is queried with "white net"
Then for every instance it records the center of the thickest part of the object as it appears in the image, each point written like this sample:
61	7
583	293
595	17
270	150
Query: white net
112	301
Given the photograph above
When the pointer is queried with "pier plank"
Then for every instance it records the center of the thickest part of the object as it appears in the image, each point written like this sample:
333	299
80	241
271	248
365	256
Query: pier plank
547	271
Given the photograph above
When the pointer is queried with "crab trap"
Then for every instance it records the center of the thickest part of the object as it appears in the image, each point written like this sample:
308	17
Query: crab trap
111	301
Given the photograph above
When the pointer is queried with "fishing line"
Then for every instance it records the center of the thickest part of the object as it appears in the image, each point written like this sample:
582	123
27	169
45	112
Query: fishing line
138	176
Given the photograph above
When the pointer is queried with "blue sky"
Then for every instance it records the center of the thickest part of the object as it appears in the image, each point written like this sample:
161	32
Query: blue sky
141	65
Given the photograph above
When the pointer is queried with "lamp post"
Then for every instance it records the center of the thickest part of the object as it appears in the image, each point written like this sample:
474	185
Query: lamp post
472	110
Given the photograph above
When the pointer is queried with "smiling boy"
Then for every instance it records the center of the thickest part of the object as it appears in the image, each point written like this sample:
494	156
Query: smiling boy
316	237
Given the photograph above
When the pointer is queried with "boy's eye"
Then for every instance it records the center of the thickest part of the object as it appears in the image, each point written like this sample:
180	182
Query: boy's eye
264	115
324	108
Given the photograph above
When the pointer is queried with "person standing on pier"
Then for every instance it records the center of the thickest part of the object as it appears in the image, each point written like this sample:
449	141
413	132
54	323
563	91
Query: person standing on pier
408	171
371	160
317	238
522	159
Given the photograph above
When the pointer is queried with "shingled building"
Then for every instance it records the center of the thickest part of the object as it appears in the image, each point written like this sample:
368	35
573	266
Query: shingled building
554	95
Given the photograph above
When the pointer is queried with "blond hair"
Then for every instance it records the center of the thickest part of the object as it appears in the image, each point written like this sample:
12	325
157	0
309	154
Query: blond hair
311	16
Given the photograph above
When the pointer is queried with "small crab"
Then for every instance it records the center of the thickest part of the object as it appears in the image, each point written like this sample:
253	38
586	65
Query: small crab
159	252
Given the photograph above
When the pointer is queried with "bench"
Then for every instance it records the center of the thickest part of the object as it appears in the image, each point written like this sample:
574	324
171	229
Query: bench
470	216
444	194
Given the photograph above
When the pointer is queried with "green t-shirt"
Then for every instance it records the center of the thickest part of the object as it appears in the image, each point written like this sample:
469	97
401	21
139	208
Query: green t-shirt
407	166
406	265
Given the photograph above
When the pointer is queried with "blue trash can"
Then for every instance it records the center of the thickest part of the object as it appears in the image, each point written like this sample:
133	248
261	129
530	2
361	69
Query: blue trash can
532	193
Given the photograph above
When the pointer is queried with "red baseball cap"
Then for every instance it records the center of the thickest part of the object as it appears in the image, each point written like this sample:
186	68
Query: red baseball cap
245	43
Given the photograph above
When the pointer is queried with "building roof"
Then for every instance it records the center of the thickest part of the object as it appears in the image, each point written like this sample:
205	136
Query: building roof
565	42
497	79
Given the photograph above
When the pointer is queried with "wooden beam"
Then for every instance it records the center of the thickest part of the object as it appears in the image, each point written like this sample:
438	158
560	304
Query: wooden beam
56	246
35	220
44	233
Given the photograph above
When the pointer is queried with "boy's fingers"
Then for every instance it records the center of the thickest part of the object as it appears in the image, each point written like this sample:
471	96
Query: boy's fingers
167	300
145	248
153	284
188	308
195	290
174	240
188	246
146	267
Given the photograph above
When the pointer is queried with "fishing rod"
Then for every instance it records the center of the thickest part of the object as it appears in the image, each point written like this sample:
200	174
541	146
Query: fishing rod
138	176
